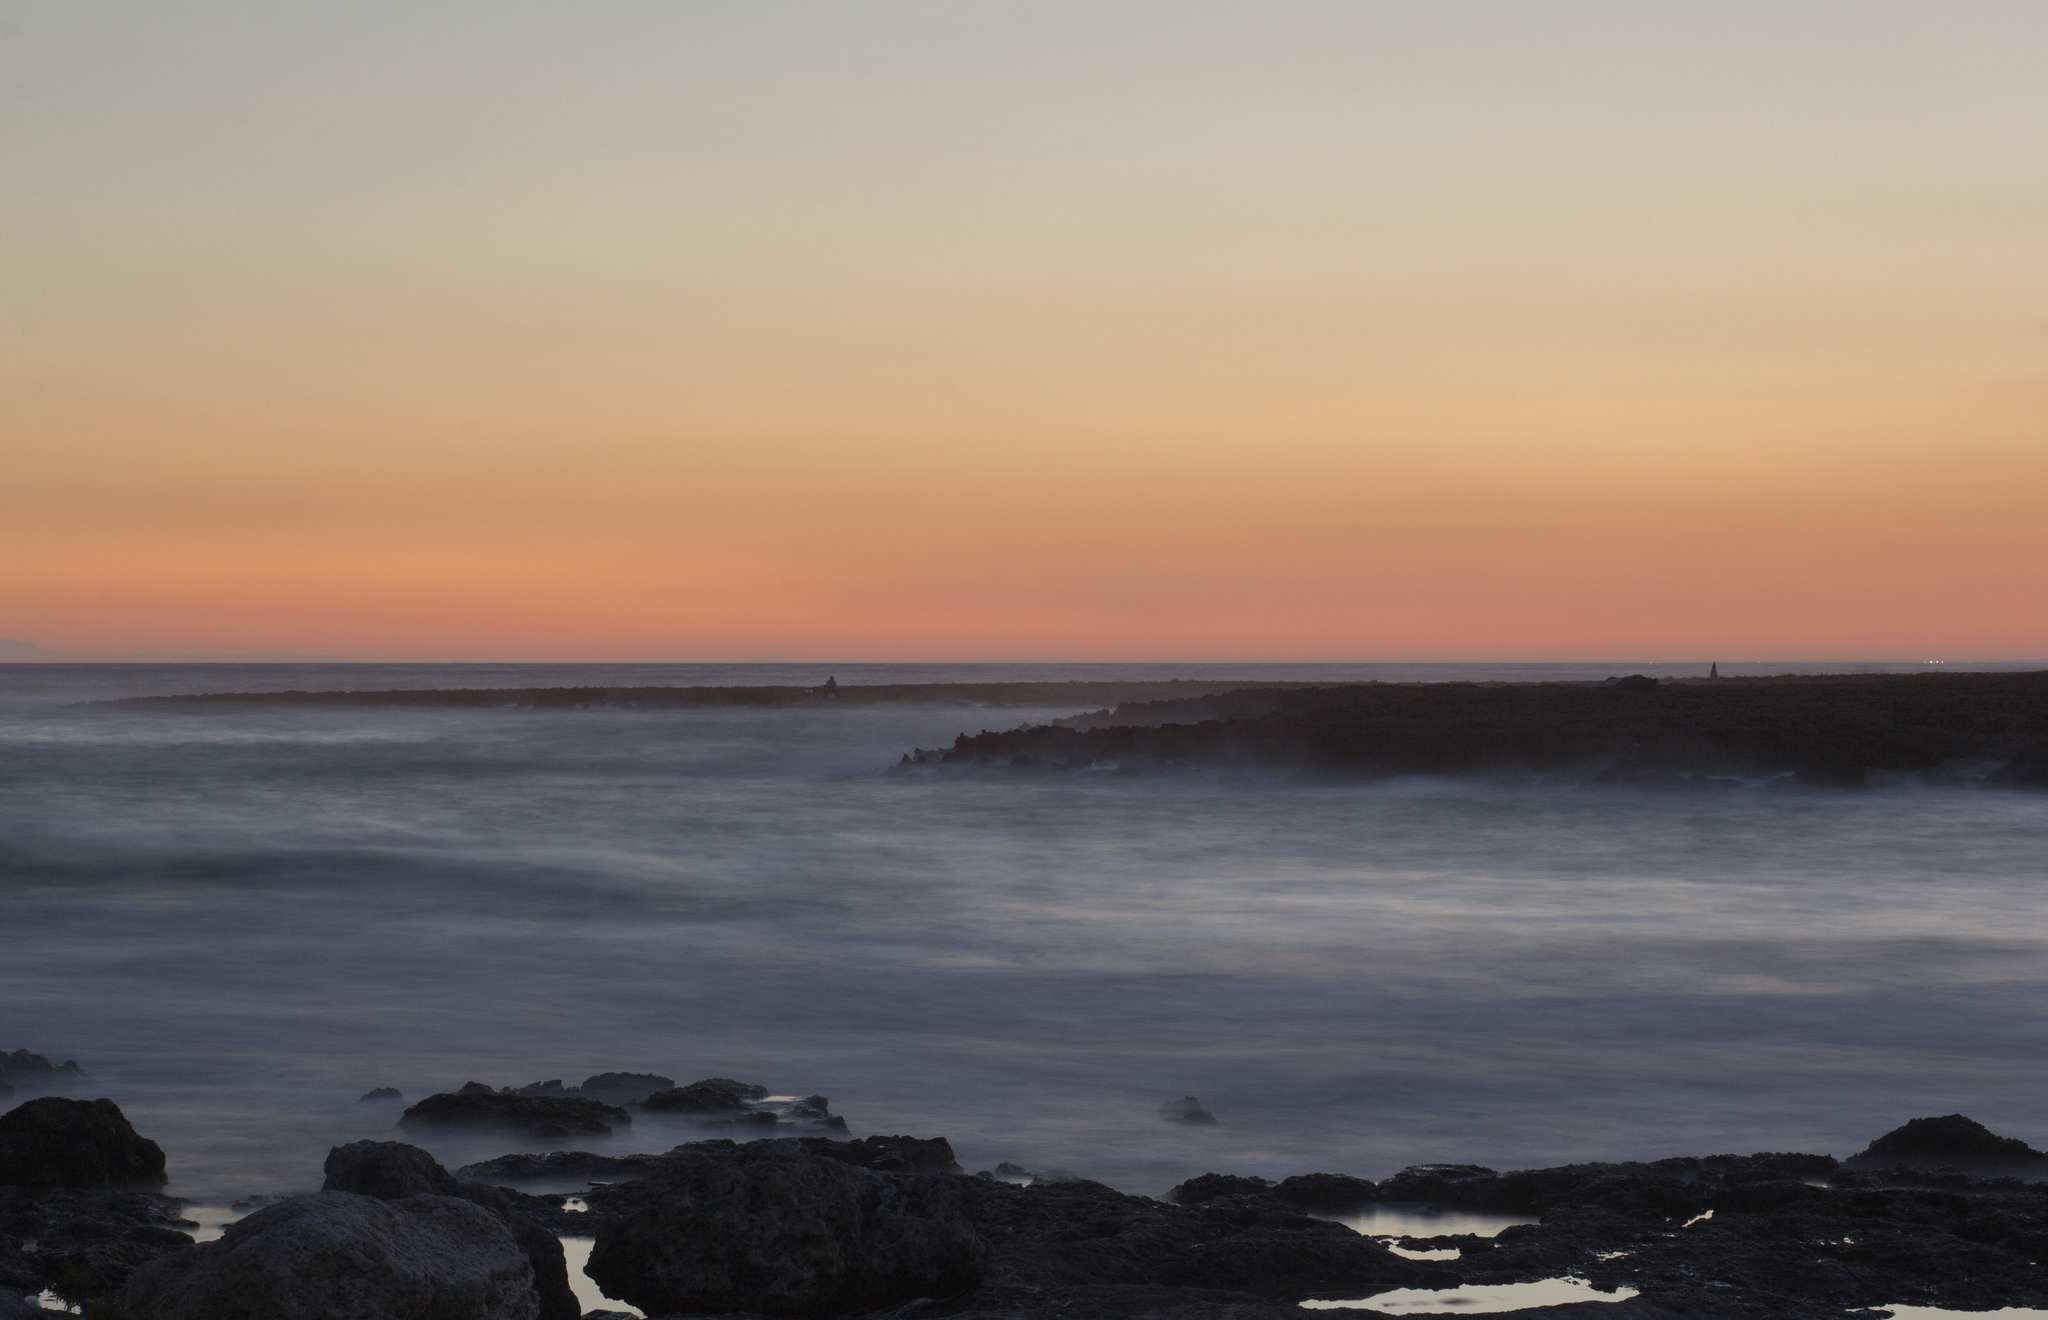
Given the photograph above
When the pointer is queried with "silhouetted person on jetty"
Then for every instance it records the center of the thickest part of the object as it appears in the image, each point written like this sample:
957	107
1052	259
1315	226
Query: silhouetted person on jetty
1714	669
831	688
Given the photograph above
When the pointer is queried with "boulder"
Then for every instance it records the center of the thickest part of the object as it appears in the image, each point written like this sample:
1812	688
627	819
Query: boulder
339	1256
713	1095
383	1093
56	1142
543	1117
18	1306
622	1088
387	1170
1950	1141
780	1228
392	1171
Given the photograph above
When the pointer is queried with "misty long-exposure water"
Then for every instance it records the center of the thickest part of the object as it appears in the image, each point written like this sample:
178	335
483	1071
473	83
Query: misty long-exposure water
240	919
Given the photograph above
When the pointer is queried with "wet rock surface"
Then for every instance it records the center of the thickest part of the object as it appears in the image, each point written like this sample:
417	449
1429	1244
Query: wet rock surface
392	1170
82	1243
339	1256
58	1142
784	1229
541	1116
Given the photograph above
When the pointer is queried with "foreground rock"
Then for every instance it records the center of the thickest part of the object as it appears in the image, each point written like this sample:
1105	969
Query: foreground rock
545	1117
393	1171
82	1243
814	1228
57	1142
781	1229
338	1256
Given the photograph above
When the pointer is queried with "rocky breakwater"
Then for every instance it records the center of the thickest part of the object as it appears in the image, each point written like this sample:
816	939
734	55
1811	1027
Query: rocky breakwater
1833	730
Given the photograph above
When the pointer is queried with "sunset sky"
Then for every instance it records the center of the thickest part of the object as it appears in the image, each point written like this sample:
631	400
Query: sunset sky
959	330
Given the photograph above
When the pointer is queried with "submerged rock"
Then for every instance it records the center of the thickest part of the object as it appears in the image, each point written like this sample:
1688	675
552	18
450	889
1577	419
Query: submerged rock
57	1142
339	1256
1187	1109
392	1171
782	1228
539	1116
382	1093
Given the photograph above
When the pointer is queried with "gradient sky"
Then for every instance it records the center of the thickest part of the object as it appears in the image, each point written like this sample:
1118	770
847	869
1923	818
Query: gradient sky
668	330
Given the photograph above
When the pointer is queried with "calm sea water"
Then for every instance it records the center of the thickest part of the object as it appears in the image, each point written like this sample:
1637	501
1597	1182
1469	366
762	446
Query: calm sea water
239	920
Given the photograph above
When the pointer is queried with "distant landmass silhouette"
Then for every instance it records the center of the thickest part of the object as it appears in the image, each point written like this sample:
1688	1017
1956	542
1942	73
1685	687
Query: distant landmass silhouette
24	653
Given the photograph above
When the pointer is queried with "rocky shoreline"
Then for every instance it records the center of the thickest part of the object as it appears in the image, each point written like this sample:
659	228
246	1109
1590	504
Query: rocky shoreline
820	1226
1836	730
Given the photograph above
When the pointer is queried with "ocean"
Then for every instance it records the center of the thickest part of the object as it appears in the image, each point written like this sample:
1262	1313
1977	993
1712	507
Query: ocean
240	919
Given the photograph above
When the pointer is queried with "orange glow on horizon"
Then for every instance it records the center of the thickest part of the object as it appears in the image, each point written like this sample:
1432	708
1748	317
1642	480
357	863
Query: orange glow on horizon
1371	334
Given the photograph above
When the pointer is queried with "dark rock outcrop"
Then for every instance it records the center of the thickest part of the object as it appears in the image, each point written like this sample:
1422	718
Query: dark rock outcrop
339	1256
714	1095
387	1170
383	1093
780	1228
1187	1109
33	1069
1326	1191
1074	1238
393	1171
57	1142
82	1243
1951	1141
623	1088
537	1116
557	1165
1209	1186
